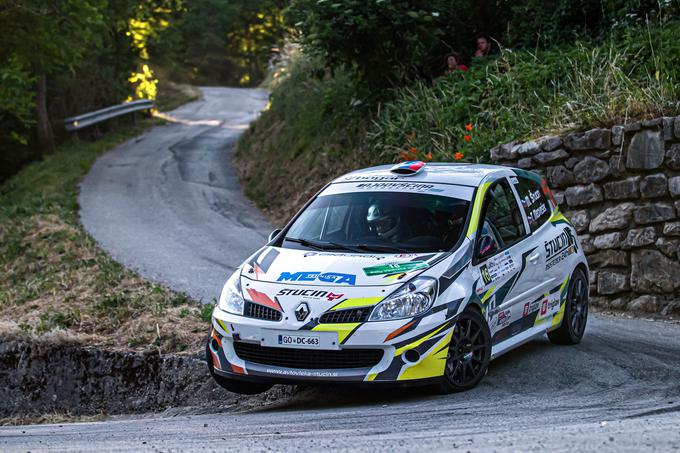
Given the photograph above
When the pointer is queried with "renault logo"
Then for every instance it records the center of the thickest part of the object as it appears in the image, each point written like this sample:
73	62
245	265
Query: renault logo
302	311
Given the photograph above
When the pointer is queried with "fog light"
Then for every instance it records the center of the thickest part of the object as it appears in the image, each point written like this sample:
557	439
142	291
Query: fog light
412	356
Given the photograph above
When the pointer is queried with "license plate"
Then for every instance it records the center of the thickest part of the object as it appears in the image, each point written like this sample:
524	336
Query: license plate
288	339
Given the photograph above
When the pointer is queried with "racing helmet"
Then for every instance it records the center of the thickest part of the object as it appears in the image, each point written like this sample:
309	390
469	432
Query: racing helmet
384	221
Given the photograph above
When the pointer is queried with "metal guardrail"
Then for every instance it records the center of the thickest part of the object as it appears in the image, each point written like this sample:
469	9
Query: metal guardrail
75	123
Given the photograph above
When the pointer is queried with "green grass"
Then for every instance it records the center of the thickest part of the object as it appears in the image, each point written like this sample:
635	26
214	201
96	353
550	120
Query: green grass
53	276
526	94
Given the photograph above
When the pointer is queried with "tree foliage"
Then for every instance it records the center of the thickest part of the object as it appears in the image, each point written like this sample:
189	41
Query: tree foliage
222	41
393	42
61	58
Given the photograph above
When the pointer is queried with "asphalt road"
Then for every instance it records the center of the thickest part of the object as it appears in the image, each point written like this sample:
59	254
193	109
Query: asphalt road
168	203
619	390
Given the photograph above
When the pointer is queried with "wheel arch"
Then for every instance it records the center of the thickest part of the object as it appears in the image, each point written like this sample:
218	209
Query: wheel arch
582	266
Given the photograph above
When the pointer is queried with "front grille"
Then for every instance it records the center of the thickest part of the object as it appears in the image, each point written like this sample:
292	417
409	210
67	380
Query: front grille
258	311
350	315
308	358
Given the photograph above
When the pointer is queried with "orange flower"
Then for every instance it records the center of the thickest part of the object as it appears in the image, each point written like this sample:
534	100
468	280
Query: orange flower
458	155
428	156
468	127
404	156
468	138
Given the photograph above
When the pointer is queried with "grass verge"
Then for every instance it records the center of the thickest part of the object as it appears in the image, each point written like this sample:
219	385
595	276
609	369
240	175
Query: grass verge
54	279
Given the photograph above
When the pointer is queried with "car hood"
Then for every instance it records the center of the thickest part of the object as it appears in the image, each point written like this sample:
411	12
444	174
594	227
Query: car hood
335	269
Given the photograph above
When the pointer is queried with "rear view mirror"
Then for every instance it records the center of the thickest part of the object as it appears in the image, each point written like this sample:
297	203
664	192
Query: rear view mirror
273	234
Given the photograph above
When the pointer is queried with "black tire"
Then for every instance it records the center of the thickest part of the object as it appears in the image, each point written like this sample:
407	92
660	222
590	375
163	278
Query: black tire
575	311
233	385
469	353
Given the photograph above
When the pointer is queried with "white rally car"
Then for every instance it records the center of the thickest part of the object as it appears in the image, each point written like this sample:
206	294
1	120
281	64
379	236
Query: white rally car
414	273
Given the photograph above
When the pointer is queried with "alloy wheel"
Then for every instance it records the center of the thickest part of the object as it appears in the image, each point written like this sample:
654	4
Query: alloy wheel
467	352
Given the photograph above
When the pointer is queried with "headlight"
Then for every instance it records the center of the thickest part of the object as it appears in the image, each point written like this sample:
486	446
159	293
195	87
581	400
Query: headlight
231	299
412	299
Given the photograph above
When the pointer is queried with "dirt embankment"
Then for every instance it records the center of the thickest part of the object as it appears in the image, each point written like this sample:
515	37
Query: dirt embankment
43	378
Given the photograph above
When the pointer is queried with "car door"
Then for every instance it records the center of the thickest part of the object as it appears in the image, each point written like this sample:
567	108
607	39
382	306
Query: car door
507	261
555	243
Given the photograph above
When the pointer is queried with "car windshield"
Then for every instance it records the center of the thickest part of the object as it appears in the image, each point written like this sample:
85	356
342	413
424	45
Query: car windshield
386	222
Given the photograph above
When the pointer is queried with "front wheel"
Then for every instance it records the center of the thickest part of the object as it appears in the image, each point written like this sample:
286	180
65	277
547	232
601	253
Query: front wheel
469	352
575	312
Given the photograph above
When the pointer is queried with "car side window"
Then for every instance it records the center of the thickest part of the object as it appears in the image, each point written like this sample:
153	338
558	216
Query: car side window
501	221
534	202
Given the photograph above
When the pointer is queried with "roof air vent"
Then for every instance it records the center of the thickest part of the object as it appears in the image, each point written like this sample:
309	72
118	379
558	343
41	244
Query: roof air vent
409	168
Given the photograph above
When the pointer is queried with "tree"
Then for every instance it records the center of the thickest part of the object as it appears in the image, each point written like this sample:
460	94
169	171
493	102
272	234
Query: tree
44	36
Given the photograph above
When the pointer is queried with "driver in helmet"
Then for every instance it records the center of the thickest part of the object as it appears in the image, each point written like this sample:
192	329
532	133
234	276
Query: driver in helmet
385	222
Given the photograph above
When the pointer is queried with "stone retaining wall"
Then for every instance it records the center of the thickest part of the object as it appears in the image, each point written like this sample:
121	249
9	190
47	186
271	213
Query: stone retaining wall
620	187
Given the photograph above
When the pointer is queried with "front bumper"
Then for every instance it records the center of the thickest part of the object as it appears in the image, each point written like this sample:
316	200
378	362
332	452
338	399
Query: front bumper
401	351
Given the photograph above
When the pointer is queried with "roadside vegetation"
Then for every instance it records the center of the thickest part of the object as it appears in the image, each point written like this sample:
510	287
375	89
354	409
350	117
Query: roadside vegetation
65	58
333	108
57	285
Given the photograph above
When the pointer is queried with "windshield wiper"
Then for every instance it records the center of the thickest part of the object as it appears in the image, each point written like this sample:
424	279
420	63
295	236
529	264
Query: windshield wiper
307	243
361	248
335	246
382	248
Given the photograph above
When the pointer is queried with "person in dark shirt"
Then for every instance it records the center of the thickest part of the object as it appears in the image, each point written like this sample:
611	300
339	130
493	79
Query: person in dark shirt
485	47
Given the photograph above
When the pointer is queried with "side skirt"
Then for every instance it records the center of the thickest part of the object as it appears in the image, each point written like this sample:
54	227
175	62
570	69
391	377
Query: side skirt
516	341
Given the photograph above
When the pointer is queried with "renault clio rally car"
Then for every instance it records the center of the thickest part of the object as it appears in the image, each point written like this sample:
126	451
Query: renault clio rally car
414	273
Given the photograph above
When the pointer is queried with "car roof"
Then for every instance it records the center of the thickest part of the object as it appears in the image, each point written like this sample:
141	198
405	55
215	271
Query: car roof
432	172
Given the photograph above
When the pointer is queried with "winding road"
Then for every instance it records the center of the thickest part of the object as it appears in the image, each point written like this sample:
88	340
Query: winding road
168	205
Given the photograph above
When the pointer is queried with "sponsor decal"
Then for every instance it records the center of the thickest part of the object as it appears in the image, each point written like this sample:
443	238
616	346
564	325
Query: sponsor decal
514	180
305	373
497	267
536	213
504	318
530	198
549	304
486	276
397	186
311	293
370	177
531	307
500	320
560	247
394	268
338	254
325	277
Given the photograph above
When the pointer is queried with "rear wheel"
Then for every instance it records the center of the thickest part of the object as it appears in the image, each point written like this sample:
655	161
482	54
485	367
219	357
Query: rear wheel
469	352
575	312
232	385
